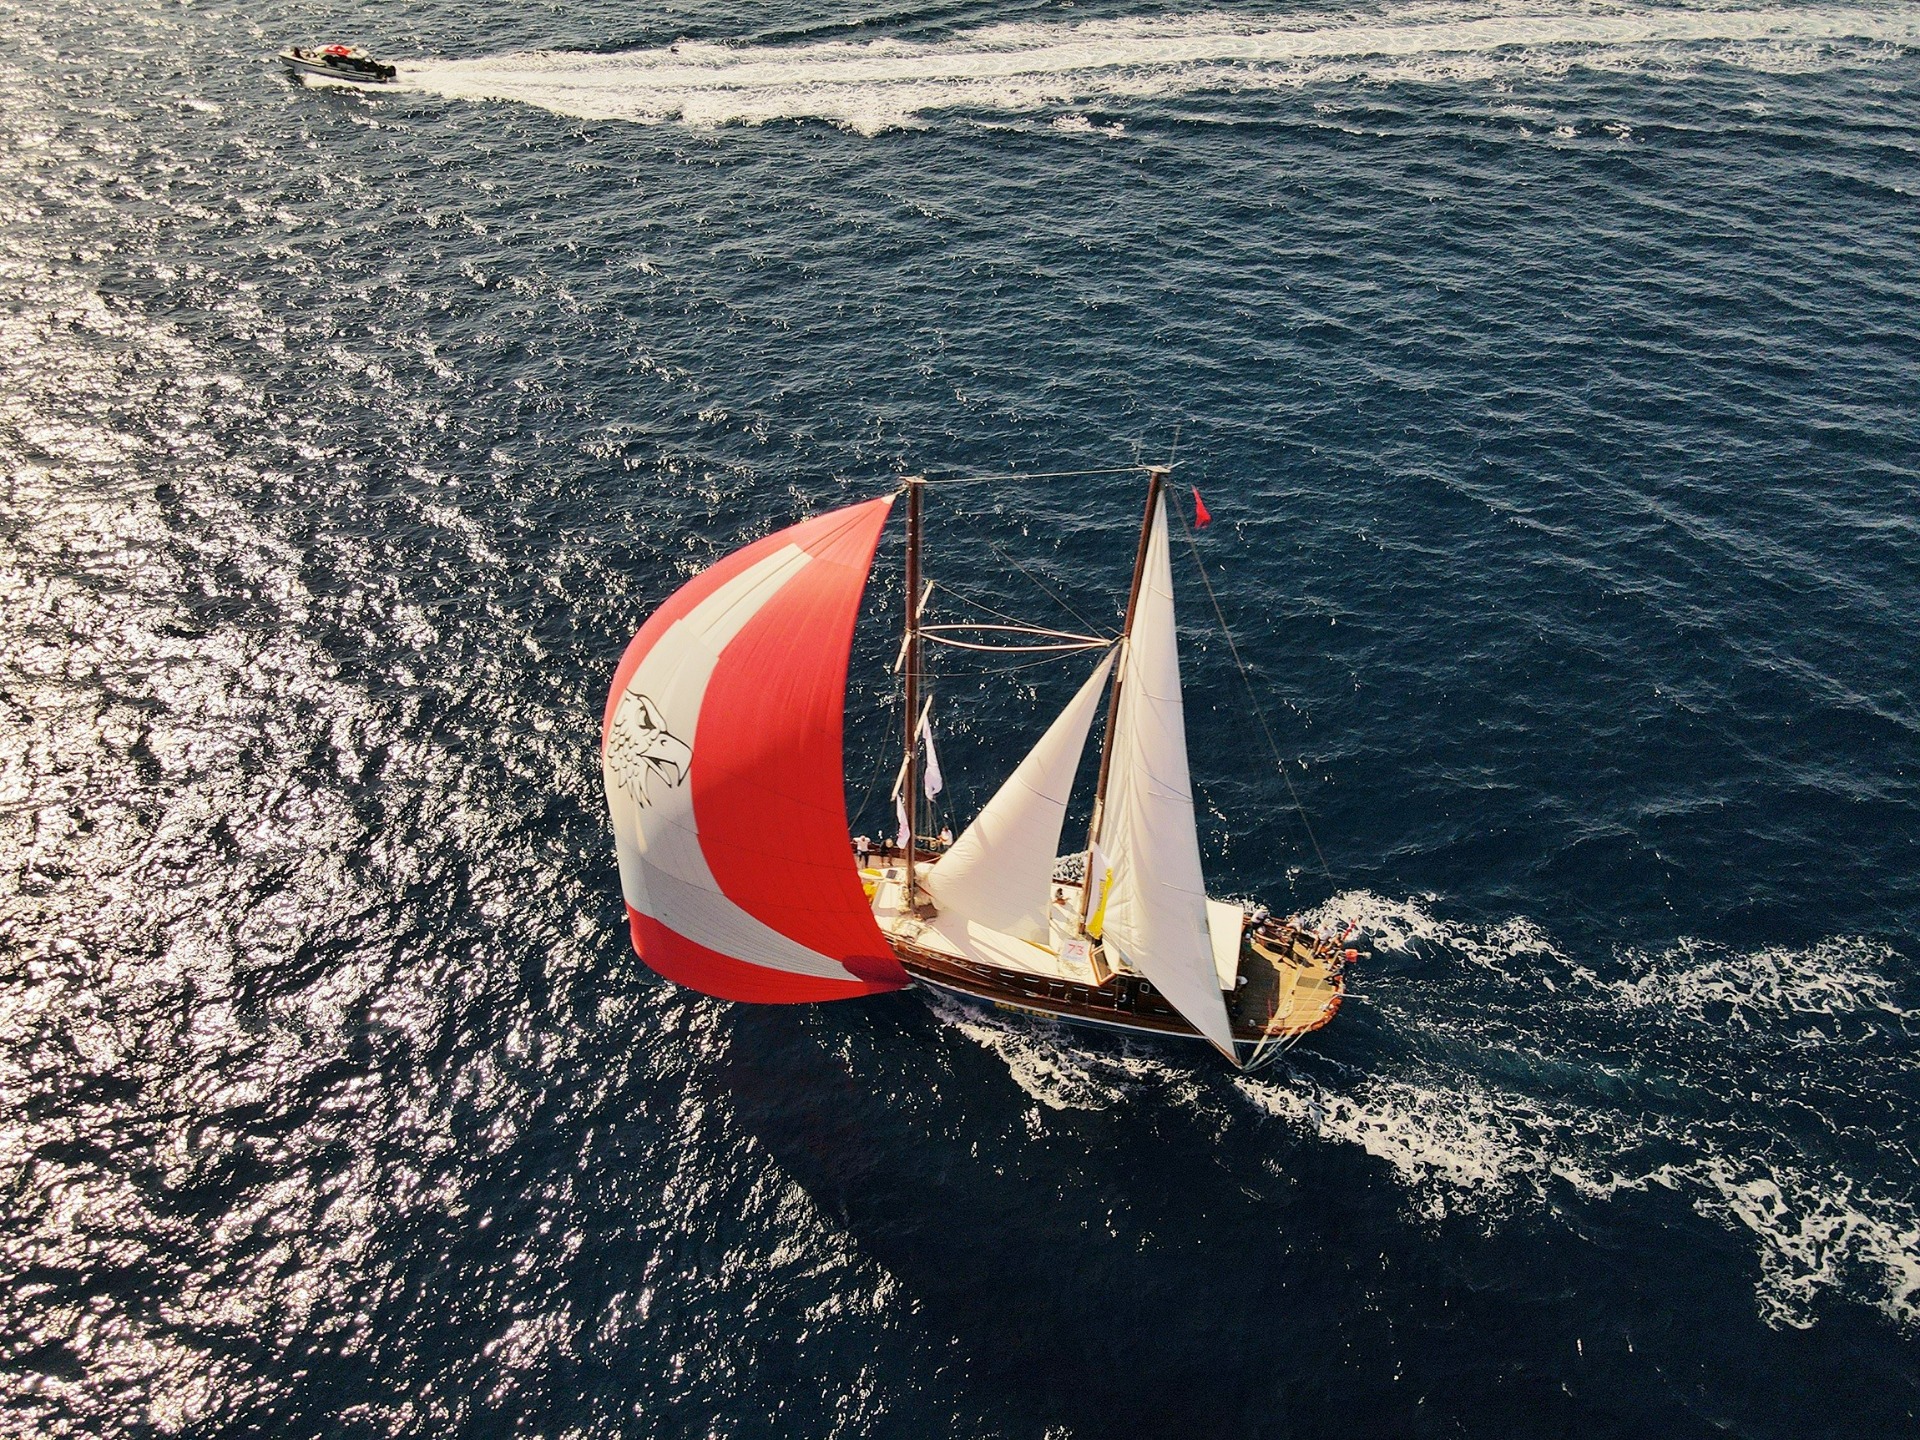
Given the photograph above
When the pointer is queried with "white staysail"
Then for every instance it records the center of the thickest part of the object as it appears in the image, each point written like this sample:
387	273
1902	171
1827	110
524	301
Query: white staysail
1156	911
999	872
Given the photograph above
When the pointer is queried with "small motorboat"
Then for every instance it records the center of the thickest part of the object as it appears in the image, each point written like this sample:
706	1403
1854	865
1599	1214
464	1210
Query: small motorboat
340	62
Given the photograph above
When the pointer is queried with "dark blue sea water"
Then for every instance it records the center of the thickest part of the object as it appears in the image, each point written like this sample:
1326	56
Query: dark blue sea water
1549	369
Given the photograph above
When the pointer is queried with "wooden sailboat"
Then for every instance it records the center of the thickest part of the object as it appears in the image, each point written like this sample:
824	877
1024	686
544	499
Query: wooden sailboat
721	752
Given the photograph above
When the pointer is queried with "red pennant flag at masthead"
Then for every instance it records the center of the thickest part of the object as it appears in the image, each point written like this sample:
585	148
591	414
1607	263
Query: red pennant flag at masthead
1201	515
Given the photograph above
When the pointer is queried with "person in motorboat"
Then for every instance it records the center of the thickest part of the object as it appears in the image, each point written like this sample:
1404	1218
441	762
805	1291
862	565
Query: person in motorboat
340	62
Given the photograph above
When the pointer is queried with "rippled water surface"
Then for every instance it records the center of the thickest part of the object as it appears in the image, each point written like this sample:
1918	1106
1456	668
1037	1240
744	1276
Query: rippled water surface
1549	370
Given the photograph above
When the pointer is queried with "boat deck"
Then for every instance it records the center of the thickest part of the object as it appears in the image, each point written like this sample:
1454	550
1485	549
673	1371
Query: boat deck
1287	980
1297	987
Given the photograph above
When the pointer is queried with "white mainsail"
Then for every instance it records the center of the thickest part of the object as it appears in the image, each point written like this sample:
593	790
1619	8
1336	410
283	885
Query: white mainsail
999	872
1156	910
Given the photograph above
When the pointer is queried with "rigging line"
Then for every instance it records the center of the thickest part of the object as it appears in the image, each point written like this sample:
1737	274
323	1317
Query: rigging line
1005	669
1023	665
1038	583
1016	629
1030	475
1246	679
1014	561
1015	649
949	589
879	769
966	598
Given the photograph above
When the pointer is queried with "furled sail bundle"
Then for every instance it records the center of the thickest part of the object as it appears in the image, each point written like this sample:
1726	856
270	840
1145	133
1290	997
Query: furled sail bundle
721	755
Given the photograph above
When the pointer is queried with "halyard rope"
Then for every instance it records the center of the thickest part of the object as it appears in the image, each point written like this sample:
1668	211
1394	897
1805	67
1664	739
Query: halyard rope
1246	679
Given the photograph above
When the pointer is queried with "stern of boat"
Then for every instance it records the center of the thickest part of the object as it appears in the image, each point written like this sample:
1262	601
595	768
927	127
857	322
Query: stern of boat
1291	983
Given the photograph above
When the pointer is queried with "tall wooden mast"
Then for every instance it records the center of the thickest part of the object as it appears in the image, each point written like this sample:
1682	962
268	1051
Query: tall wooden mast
1156	482
910	775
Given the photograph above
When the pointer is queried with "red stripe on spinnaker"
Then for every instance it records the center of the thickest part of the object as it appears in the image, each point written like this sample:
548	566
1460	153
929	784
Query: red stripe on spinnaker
807	534
766	772
769	793
686	963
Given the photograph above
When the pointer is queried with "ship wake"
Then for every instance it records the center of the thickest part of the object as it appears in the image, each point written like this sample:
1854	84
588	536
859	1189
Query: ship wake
1510	1081
871	85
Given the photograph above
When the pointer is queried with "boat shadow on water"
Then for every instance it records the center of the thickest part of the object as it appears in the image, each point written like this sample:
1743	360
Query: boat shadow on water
1139	1269
1062	1270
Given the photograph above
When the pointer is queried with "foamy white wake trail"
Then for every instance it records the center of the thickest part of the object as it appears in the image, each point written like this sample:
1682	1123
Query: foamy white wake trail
1021	68
1513	1079
1737	1079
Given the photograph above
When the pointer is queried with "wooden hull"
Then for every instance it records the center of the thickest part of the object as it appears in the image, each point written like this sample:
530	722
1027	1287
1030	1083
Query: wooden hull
1307	981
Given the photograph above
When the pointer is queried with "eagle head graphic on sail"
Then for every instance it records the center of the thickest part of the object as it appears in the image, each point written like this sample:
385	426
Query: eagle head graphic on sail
737	872
642	752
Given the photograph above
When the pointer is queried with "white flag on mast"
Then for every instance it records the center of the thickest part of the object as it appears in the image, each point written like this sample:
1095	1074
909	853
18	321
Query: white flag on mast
931	781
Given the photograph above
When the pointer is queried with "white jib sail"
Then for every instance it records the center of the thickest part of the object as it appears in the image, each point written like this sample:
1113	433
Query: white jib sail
1157	907
999	872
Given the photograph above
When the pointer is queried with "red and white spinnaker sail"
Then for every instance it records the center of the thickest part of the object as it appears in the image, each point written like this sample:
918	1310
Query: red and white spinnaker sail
721	756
